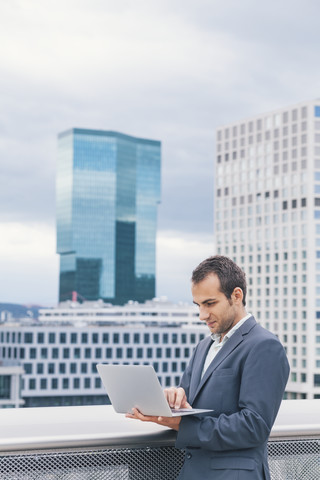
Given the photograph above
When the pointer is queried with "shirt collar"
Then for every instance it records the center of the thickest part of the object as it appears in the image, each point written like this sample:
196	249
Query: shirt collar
216	338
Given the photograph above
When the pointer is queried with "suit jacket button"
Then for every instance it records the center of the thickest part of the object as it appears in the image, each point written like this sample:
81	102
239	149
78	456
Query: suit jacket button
189	456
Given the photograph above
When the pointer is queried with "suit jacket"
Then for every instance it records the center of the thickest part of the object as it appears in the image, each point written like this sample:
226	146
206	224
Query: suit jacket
244	385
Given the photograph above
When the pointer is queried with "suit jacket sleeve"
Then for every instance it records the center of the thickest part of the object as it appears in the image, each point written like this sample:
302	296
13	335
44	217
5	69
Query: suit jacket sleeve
264	374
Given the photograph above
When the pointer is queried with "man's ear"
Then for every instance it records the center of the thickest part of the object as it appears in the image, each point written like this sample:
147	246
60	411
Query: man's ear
237	295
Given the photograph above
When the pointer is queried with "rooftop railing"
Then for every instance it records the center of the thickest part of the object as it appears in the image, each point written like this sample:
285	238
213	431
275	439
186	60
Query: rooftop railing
94	443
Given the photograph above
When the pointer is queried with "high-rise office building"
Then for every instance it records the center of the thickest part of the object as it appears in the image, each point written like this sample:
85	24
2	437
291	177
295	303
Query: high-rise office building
108	188
267	218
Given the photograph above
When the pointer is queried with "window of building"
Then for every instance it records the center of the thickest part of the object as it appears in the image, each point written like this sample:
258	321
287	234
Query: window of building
44	353
66	353
52	337
63	337
77	352
146	338
51	368
119	352
40	337
73	338
317	376
73	368
43	384
28	337
32	383
105	338
84	368
149	353
84	338
40	368
33	353
55	353
109	352
168	352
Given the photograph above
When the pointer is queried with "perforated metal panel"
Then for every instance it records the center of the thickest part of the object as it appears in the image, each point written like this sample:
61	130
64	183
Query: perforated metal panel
295	460
288	460
114	464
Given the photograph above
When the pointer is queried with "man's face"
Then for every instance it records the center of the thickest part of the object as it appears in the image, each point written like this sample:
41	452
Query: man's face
219	312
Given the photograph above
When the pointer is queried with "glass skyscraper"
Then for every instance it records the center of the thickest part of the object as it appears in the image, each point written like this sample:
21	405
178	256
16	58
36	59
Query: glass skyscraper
108	188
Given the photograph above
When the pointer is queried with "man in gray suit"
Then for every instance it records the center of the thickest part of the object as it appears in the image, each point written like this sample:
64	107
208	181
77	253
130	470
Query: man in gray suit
240	372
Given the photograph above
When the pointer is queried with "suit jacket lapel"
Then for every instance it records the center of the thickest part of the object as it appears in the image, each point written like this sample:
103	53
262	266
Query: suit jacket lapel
198	367
229	346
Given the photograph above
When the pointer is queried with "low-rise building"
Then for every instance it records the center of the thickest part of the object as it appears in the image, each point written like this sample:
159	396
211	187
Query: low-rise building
59	353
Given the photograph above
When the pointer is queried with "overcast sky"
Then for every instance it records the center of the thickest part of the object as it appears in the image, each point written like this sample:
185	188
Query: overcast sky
169	70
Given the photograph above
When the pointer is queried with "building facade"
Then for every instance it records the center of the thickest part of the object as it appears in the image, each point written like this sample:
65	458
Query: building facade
108	189
267	218
59	354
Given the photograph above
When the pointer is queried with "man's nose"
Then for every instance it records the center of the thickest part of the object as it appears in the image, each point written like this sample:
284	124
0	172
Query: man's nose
203	313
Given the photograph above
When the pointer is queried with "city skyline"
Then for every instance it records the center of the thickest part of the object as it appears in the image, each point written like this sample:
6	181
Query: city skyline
169	71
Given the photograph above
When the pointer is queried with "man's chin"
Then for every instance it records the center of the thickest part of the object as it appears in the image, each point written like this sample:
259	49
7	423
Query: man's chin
214	330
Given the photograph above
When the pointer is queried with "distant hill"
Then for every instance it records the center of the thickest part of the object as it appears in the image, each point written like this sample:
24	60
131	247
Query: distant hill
20	311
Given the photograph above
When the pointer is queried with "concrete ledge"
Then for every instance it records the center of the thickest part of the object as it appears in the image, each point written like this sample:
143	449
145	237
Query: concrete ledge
64	427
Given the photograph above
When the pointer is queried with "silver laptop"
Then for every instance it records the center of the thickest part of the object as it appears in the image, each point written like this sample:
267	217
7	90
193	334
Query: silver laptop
137	386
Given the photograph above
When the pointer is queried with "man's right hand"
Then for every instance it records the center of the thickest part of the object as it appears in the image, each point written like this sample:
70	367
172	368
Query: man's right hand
176	397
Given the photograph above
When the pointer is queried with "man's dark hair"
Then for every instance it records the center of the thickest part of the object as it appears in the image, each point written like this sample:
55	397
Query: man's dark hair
229	274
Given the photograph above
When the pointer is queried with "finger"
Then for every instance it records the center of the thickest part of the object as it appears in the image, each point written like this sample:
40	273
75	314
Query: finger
181	399
131	415
170	394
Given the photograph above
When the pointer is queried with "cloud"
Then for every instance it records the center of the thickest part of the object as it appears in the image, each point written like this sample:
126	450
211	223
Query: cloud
177	256
29	265
172	70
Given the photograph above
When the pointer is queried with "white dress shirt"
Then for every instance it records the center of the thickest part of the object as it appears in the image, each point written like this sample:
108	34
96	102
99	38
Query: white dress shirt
217	344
